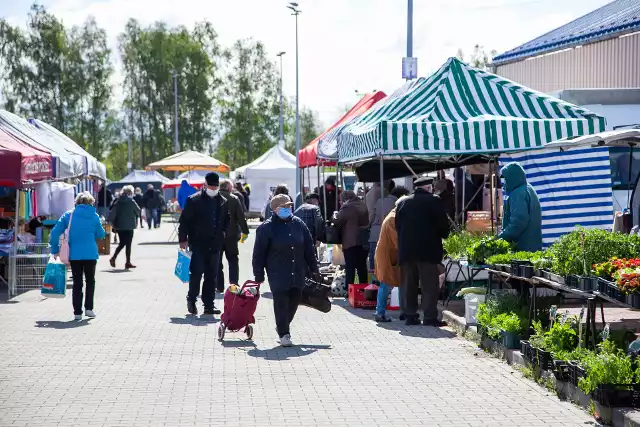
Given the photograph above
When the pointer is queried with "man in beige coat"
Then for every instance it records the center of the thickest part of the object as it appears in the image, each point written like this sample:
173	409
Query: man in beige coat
386	263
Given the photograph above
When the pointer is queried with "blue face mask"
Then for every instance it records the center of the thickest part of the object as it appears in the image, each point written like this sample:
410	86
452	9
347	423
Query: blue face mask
284	213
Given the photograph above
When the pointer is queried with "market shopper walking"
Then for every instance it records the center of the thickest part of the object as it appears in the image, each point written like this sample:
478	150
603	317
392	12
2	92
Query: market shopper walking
352	219
386	264
237	230
522	222
105	198
151	205
421	223
245	194
203	224
284	248
138	199
124	217
184	192
85	228
328	193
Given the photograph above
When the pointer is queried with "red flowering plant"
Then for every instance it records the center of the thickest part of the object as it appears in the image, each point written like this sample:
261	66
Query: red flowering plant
628	280
607	269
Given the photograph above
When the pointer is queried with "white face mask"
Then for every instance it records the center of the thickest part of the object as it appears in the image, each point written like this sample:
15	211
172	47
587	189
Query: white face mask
212	193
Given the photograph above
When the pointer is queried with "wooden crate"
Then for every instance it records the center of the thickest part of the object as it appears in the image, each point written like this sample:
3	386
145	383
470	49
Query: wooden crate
104	245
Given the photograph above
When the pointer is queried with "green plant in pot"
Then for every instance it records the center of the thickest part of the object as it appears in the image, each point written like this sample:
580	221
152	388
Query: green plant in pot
511	327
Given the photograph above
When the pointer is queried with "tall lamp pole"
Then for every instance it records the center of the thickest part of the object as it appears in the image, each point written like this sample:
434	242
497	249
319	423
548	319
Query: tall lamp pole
281	142
295	12
176	146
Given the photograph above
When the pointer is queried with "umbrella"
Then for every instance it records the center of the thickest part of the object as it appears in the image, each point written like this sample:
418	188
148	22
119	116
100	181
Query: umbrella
189	160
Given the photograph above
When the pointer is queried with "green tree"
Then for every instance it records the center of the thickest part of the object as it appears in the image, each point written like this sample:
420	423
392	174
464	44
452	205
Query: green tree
479	58
250	107
310	128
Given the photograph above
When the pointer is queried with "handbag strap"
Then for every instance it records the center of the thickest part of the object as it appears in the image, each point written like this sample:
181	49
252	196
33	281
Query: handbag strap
67	232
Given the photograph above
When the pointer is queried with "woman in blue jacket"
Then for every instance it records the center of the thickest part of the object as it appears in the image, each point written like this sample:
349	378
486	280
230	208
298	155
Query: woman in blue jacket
84	228
284	248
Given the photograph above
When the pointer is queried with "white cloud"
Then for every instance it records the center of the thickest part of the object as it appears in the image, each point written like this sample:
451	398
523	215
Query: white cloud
345	45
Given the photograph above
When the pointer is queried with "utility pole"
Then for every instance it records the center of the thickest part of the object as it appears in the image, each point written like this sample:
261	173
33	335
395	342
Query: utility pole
281	142
294	8
176	146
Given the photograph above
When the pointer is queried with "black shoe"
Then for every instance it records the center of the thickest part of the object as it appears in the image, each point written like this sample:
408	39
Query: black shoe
211	311
191	307
382	319
402	316
435	323
413	320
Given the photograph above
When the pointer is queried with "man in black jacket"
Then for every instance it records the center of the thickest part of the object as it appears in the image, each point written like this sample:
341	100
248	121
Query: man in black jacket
237	230
421	223
151	203
203	225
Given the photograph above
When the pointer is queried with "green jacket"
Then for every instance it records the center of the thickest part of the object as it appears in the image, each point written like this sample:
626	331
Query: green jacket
124	214
522	222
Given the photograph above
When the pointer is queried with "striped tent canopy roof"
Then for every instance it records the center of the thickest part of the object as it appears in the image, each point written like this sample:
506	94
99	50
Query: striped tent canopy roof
462	110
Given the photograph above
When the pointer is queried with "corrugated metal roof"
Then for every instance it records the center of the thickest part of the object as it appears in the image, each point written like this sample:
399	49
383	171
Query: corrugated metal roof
617	17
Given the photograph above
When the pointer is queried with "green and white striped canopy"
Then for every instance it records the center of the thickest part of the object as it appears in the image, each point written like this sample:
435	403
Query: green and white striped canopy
462	110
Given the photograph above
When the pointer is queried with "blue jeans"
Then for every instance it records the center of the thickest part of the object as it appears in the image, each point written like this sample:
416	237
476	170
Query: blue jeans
152	216
383	297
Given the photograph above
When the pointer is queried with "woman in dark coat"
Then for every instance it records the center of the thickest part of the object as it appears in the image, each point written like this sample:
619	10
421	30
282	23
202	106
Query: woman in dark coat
285	249
353	221
124	216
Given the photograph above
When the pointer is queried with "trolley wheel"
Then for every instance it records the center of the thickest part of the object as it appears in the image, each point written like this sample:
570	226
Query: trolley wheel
249	332
221	330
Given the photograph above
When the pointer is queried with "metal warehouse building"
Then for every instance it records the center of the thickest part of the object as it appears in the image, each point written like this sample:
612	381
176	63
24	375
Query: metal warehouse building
598	50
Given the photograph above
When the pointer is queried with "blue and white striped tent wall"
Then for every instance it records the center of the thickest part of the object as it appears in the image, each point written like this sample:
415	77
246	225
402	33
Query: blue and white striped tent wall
88	184
574	188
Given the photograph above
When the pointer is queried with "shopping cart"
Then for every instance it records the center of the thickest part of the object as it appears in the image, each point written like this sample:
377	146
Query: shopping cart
239	309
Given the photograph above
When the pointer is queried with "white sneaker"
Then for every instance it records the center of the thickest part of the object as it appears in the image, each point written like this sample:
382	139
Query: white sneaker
78	317
285	341
90	313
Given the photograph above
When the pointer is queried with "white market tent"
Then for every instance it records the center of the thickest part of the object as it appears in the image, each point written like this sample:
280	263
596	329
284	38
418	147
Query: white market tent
195	178
276	166
93	167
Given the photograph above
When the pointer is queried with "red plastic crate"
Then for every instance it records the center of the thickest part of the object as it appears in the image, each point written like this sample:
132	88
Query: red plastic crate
356	297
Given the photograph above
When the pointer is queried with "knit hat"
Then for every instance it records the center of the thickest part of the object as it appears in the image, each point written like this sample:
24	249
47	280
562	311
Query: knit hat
212	179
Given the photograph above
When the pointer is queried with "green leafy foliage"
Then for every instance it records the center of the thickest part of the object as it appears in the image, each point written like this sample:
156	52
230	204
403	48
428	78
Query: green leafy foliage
458	244
581	247
609	366
486	247
501	313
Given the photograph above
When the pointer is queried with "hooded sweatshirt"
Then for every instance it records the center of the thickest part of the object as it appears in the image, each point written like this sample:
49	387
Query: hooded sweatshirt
522	222
184	192
85	229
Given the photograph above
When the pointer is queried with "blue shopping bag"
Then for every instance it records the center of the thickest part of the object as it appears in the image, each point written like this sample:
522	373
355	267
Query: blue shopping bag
54	283
182	266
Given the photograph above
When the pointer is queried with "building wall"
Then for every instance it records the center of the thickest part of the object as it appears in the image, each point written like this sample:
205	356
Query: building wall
613	63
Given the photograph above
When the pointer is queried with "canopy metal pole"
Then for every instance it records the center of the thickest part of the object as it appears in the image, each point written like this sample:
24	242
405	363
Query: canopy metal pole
309	178
629	179
464	196
381	178
324	194
14	248
338	183
494	216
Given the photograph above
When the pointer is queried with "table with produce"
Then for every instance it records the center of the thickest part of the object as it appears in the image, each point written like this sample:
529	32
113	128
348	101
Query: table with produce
591	265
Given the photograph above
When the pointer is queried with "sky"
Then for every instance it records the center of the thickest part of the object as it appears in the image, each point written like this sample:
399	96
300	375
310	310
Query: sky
345	46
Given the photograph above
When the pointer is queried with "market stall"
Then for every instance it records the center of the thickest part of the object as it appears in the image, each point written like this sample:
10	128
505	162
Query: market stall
189	161
276	166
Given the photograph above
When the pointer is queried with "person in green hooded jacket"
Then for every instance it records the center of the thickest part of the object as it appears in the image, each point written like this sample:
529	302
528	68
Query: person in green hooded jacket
522	222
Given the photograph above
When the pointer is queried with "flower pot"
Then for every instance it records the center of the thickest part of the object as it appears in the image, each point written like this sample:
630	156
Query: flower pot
572	281
575	373
525	349
510	340
556	278
541	358
617	395
526	271
633	300
561	370
588	284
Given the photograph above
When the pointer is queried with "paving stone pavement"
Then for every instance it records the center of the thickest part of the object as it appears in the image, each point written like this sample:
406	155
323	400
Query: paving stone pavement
143	362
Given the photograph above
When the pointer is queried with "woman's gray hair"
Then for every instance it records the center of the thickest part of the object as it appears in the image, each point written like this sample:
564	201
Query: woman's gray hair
128	190
226	185
348	196
85	198
400	200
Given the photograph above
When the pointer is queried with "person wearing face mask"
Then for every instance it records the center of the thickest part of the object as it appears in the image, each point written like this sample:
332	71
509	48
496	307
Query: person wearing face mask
421	223
124	216
285	249
203	225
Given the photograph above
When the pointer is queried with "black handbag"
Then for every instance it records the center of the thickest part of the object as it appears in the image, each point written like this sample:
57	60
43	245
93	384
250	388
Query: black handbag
333	235
316	295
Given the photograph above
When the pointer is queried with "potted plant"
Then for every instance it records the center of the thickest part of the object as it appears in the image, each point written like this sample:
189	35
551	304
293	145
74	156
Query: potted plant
628	282
511	328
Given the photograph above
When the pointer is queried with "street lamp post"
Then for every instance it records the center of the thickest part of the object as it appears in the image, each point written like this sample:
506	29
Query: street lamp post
176	146
295	12
281	105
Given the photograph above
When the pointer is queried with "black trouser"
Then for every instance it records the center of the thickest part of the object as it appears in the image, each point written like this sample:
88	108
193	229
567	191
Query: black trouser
203	263
78	269
141	222
355	259
285	305
126	237
159	218
230	250
426	276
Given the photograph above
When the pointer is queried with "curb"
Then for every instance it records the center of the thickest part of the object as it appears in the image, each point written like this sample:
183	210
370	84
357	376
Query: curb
621	417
